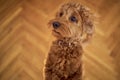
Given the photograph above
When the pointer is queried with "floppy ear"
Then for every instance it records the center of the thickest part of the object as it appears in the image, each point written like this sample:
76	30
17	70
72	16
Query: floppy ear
88	22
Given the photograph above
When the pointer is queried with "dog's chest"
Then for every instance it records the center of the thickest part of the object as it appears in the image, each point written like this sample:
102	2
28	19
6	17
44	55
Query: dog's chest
67	57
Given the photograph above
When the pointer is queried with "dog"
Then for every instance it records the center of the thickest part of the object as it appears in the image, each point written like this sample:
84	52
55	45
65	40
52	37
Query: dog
73	27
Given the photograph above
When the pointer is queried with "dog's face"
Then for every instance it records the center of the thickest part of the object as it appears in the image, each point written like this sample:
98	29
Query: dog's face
72	20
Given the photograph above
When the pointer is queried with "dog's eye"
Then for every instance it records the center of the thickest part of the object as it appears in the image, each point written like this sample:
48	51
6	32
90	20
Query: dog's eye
73	19
61	14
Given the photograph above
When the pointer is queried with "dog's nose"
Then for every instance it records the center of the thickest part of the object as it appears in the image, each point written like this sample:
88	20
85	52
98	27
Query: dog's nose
56	25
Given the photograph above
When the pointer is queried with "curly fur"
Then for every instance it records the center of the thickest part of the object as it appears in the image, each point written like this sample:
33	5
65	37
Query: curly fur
64	61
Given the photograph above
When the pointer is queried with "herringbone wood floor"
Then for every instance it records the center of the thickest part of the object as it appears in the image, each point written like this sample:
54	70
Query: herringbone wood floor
25	39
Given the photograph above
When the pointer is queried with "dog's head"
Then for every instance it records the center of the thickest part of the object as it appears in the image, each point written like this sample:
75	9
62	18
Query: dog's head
72	20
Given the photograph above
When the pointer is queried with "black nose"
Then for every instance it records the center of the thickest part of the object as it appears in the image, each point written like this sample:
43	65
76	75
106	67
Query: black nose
56	25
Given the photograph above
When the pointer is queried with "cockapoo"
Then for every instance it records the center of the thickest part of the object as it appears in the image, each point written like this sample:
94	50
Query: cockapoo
73	26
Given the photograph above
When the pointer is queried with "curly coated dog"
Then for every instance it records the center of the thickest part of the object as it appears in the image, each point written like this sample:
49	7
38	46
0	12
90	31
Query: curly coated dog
73	26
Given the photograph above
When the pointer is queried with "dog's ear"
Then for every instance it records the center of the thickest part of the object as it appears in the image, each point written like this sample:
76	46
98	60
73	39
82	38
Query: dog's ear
88	22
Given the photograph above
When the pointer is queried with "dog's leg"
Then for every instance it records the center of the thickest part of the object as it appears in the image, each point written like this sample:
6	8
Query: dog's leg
48	70
77	75
50	74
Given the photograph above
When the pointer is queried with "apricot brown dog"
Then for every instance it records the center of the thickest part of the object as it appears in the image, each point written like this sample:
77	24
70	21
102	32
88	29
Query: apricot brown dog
73	26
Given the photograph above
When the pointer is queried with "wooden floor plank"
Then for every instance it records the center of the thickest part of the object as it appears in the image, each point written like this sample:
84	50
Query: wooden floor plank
25	39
